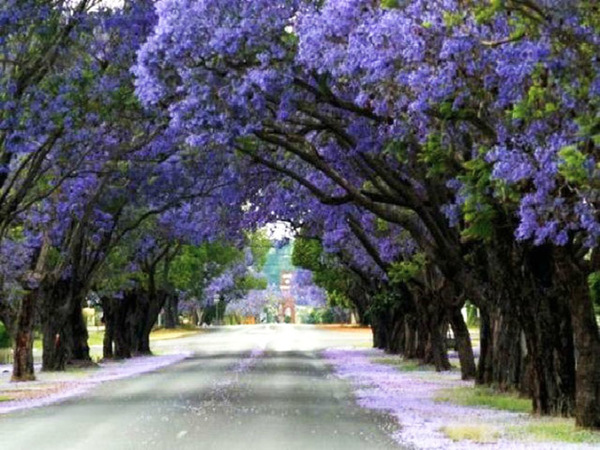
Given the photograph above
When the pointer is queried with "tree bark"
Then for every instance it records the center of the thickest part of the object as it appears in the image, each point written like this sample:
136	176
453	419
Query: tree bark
431	315
380	331
80	350
411	337
587	343
54	316
587	401
172	311
23	359
464	347
63	325
109	326
501	357
123	332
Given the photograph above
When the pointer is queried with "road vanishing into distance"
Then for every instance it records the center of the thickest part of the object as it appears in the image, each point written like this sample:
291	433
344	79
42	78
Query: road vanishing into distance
247	387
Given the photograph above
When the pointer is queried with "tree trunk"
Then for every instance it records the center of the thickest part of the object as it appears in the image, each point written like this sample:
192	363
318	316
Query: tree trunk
437	349
54	297
484	366
379	331
587	343
411	337
54	356
63	325
501	357
80	350
23	359
123	332
431	316
549	337
172	311
544	315
464	347
109	326
199	315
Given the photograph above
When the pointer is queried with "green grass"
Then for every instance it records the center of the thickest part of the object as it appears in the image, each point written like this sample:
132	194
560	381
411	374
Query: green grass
164	333
480	396
5	398
554	430
480	433
94	338
97	337
404	365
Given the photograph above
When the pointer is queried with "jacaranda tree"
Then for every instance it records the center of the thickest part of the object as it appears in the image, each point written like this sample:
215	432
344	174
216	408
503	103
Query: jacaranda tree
473	127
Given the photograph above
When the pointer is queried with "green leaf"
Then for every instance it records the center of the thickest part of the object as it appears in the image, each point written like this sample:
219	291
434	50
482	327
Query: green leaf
571	165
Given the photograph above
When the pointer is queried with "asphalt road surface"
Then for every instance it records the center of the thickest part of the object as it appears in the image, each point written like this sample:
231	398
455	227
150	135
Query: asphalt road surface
253	387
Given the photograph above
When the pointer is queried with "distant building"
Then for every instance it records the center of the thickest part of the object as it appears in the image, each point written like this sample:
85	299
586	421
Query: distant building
287	307
279	259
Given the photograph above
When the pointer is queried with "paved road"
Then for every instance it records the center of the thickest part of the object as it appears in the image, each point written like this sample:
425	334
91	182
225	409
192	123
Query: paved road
255	387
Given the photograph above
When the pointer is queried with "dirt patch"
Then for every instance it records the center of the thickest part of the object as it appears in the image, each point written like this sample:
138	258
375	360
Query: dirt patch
31	392
165	334
346	328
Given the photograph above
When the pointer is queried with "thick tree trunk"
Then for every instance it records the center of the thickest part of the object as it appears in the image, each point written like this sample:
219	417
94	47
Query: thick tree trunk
54	297
464	347
437	349
431	316
123	332
79	348
63	325
138	318
422	340
549	338
379	330
411	337
154	304
382	332
501	357
484	366
524	300
108	318
398	342
587	410
172	311
23	358
587	343
544	315
54	355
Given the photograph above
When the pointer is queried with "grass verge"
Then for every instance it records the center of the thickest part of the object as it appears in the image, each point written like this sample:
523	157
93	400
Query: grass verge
480	433
552	429
97	337
344	327
94	338
404	365
164	333
482	396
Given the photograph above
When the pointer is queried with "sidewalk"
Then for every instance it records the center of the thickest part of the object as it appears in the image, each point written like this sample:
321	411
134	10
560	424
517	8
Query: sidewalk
409	397
53	387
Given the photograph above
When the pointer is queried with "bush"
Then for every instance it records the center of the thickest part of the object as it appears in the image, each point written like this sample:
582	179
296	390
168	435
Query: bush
328	315
4	337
